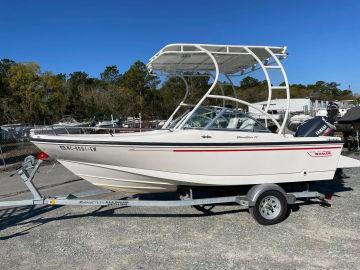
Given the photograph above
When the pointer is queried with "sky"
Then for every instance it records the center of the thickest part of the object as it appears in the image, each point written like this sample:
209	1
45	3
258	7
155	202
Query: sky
322	36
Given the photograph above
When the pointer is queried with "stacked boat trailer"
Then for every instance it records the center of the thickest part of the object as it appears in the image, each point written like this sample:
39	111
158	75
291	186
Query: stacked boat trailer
267	202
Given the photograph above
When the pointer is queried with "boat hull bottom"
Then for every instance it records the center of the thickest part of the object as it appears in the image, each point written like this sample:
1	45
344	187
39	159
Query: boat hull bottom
115	179
132	180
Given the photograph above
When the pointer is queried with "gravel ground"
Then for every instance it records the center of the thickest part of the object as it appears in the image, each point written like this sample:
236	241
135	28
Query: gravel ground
312	237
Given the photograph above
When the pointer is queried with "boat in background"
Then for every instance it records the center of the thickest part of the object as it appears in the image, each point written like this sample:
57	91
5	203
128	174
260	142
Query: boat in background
296	120
101	121
70	121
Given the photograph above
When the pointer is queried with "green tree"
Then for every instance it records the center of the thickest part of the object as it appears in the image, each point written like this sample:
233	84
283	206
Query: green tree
111	75
249	82
76	84
171	93
55	96
29	95
5	65
138	79
26	92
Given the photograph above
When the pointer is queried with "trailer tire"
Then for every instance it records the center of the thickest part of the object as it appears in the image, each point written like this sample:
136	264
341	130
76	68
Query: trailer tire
270	208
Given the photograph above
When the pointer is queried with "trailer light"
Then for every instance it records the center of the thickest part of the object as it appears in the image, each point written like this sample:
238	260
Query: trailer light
42	156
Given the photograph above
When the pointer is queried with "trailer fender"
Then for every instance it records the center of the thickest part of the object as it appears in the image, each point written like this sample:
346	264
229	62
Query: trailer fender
257	190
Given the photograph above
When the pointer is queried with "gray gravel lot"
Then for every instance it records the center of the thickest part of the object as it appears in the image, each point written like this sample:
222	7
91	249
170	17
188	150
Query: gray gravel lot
312	237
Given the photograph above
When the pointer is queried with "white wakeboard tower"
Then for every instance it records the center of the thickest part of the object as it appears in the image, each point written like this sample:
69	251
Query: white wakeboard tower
222	61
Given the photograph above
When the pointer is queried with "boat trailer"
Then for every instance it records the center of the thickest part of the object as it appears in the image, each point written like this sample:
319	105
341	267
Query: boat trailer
262	200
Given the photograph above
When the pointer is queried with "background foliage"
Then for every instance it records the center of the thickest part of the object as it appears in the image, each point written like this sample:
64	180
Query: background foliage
28	95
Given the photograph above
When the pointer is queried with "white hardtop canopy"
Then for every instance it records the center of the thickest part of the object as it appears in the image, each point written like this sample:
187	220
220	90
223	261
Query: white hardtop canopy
229	60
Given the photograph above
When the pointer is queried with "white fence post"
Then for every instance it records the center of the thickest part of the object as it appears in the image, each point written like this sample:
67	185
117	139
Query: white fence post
2	157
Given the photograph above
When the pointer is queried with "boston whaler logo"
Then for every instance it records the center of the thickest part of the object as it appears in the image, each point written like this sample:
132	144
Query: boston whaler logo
320	153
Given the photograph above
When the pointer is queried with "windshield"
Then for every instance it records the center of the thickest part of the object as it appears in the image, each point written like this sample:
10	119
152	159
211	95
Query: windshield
235	120
173	123
216	118
202	117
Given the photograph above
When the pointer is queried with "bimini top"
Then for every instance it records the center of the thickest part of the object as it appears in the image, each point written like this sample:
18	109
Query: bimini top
231	59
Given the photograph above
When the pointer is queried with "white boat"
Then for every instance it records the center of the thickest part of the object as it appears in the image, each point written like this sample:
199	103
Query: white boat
324	112
70	121
297	120
67	125
101	121
321	112
207	145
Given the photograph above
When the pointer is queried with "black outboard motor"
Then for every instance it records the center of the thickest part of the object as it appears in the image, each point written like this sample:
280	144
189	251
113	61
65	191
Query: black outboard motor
332	112
317	126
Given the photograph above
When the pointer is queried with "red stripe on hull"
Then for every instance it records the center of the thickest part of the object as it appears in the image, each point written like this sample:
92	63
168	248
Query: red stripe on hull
256	149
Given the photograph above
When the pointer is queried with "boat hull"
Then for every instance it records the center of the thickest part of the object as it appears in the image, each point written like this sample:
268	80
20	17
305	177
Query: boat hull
159	168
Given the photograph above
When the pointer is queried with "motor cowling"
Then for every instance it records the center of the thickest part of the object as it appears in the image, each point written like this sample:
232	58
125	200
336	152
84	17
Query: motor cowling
315	127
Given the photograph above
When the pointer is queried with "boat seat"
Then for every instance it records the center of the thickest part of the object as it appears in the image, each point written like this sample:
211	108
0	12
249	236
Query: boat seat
248	124
233	123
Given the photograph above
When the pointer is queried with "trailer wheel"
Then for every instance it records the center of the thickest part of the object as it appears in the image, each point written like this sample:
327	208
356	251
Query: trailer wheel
270	208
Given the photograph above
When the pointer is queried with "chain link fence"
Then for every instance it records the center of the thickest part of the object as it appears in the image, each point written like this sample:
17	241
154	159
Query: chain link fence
15	145
15	142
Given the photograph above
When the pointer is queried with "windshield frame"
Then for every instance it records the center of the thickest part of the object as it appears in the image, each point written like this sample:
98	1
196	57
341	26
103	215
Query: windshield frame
220	113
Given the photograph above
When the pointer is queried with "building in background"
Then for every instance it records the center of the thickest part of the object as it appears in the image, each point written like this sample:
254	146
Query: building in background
306	106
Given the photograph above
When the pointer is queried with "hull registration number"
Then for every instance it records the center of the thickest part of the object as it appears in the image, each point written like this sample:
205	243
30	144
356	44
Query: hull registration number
78	148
